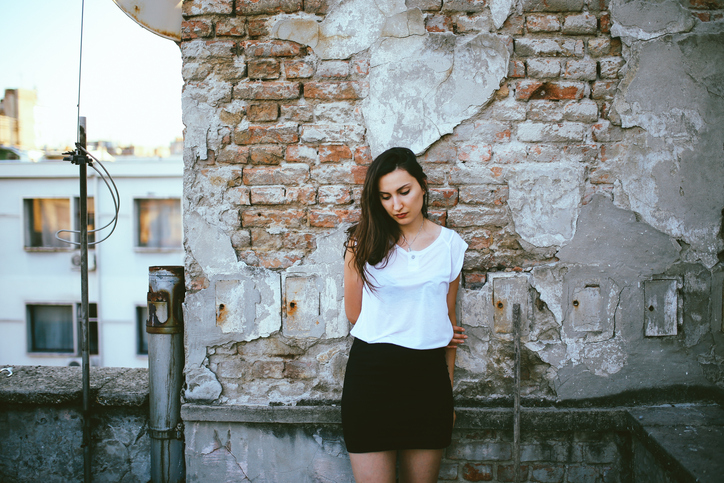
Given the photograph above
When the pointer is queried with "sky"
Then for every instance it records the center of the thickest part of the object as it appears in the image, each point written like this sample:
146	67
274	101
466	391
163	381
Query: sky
130	88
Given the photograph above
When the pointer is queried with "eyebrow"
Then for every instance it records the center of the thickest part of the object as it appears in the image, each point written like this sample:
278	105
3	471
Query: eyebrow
406	185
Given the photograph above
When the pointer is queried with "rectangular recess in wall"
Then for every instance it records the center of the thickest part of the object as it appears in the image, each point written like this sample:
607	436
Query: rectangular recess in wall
508	291
661	304
717	300
585	312
301	304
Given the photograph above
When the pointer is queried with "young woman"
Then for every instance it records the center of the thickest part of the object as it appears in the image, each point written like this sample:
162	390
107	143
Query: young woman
401	277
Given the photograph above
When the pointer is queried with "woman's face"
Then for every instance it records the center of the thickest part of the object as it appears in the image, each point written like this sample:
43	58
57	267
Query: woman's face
402	197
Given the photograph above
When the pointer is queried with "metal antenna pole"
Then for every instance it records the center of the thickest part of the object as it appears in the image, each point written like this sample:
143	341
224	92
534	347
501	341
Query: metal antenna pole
516	395
85	333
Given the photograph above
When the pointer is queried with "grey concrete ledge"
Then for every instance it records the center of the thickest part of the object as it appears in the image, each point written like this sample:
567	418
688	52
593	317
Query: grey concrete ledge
45	385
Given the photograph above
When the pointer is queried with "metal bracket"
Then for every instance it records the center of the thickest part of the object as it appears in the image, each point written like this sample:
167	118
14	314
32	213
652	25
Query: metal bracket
171	433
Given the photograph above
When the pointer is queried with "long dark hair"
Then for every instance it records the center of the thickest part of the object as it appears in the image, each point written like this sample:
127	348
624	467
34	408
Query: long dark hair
372	239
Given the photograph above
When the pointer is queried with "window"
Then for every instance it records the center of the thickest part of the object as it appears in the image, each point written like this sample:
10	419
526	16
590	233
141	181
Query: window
45	216
50	328
141	318
158	223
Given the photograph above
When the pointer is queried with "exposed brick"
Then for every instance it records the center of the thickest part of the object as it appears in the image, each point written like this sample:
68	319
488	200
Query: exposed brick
271	48
581	153
231	27
604	89
513	25
300	369
263	69
268	369
271	260
604	132
553	5
448	471
463	5
363	155
440	153
527	89
537	46
490	194
472	174
334	194
292	112
298	69
424	5
265	217
605	23
544	67
332	218
464	23
266	154
192	29
257	7
238	195
602	46
572	47
542	23
476	153
199	7
333	133
320	7
279	133
263	240
334	153
257	27
299	153
477	472
584	110
266	195
516	68
438	216
509	154
474	281
603	452
598	5
507	473
580	70
271	90
582	474
360	67
471	216
233	155
349	90
339	174
544	110
483	131
263	112
241	239
563	132
479	451
333	69
583	24
442	197
438	23
610	67
289	174
547	473
508	110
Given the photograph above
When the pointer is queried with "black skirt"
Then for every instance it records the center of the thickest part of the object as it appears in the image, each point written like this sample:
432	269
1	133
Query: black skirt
396	398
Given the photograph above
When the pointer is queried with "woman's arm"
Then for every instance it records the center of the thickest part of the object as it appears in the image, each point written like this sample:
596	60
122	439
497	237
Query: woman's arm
352	288
458	336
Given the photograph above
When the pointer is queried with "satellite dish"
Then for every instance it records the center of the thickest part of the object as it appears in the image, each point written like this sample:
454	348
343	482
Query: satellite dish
162	17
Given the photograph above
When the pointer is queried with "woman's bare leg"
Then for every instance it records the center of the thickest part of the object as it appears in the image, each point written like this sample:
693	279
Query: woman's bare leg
420	465
378	467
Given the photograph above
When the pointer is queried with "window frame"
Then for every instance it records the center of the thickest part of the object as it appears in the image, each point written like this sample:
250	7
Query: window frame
137	224
75	329
73	208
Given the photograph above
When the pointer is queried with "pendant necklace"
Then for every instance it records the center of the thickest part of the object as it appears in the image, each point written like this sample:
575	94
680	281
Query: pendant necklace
409	244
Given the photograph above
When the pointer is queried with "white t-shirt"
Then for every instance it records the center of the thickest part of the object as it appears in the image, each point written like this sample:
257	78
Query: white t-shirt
409	305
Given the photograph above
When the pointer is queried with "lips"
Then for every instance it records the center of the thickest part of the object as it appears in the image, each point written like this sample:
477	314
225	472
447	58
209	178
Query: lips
401	216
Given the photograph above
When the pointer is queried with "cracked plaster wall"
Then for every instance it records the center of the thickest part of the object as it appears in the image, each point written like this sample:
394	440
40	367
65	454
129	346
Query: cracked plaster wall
585	189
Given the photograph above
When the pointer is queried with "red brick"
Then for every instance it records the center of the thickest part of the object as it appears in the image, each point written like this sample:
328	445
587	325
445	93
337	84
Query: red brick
513	25
438	23
438	216
516	68
337	195
604	89
477	472
300	369
481	215
262	240
270	260
602	46
442	197
526	89
542	23
271	90
280	195
333	69
580	70
299	153
363	155
198	7
477	239
333	133
265	217
488	194
263	112
475	153
231	27
339	174
266	154
280	133
334	153
507	473
238	195
328	91
233	155
547	473
290	174
507	154
610	67
298	69
271	48
440	153
292	112
332	218
475	281
604	23
258	27
320	7
360	67
581	24
193	29
263	69
256	7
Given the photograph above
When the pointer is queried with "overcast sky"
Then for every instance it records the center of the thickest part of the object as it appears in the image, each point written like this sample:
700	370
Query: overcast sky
131	78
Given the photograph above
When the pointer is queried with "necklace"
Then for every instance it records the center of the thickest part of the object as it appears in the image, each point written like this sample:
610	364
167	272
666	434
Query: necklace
409	244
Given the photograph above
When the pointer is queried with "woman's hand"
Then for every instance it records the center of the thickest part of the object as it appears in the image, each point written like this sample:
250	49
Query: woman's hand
458	337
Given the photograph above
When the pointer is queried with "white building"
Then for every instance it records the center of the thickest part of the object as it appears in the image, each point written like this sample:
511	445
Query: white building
40	282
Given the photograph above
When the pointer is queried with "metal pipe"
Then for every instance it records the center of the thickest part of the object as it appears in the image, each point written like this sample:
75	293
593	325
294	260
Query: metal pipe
516	394
166	362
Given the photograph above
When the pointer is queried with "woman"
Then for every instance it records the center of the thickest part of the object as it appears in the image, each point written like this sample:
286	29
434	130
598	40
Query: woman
401	277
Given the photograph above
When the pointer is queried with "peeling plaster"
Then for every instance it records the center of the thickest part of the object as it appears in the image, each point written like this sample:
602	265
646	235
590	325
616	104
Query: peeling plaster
649	19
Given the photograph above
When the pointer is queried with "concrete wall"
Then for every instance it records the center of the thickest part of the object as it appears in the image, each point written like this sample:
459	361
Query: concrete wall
574	144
